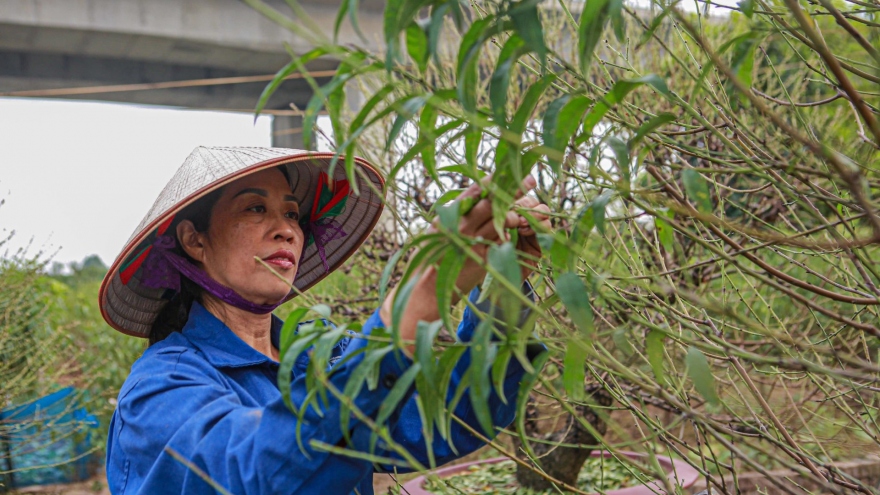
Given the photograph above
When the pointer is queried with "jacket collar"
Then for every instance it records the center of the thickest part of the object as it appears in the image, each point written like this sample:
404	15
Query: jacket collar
219	344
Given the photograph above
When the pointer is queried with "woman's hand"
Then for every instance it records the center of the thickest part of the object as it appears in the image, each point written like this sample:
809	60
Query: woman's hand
527	242
477	223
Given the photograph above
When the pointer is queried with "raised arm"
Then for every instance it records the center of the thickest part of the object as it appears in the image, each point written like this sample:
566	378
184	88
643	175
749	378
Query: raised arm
476	223
407	427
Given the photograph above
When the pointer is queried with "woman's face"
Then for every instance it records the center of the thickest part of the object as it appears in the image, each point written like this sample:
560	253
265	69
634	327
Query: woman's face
255	217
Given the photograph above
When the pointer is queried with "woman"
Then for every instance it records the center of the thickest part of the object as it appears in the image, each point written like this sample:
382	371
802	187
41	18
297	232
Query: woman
201	408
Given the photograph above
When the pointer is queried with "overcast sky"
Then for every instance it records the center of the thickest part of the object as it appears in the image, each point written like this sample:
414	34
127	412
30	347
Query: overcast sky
77	177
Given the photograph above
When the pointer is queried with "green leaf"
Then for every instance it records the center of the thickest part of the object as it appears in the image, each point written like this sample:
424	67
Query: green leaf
473	136
551	121
449	216
466	75
621	341
482	355
323	349
650	126
529	102
322	309
573	374
356	380
417	45
427	409
335	99
664	231
747	7
499	371
615	11
427	137
652	28
273	85
522	398
391	24
583	224
527	22
446	364
386	273
430	250
405	112
614	96
513	48
288	330
574	296
598	207
654	349
564	123
358	123
351	8
545	241
397	393
438	13
426	333
465	171
447	274
738	41
698	370
621	156
285	368
283	74
397	16
399	304
448	196
561	257
503	259
743	60
697	189
570	117
313	108
462	387
591	25
422	145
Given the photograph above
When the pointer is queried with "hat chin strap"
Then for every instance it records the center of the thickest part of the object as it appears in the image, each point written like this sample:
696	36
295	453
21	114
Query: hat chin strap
162	269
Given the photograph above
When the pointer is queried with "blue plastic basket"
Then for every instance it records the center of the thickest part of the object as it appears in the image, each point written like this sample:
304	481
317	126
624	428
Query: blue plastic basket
46	441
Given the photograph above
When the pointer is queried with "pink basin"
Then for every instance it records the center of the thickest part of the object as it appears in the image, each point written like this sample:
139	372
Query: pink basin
678	472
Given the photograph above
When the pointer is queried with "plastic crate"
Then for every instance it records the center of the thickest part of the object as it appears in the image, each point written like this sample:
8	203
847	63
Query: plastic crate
46	441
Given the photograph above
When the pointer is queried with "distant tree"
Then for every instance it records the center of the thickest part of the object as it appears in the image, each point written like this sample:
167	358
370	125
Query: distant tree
90	269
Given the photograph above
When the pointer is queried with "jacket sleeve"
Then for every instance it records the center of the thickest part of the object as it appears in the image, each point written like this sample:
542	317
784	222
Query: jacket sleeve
184	406
408	428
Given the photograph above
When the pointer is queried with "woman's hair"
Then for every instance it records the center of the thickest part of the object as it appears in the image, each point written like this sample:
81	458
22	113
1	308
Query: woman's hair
175	313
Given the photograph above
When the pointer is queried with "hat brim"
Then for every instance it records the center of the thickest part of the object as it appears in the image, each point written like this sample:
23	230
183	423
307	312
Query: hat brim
131	308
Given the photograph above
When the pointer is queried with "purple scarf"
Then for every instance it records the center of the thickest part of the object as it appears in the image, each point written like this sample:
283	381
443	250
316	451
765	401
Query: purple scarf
162	270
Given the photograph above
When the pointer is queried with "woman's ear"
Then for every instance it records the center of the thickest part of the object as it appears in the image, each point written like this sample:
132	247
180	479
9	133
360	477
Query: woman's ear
191	240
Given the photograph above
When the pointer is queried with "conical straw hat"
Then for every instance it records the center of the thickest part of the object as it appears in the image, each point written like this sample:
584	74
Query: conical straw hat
131	308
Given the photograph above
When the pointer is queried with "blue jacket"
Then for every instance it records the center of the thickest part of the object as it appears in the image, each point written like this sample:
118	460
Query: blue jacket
206	395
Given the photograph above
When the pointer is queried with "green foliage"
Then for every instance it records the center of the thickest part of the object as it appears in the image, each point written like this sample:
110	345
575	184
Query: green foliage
39	356
726	167
597	474
103	356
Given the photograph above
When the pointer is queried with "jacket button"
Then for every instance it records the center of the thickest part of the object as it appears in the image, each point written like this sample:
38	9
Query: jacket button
389	380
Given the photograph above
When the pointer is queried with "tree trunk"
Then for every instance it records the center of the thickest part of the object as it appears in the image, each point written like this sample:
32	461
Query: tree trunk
560	462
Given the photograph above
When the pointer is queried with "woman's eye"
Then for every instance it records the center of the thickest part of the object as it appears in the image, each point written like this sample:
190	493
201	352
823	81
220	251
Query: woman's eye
293	215
257	209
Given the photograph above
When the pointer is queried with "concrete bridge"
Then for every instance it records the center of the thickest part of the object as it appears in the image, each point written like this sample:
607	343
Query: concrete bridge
52	44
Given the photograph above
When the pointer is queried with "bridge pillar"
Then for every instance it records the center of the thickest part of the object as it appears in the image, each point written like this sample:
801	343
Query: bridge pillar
287	131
